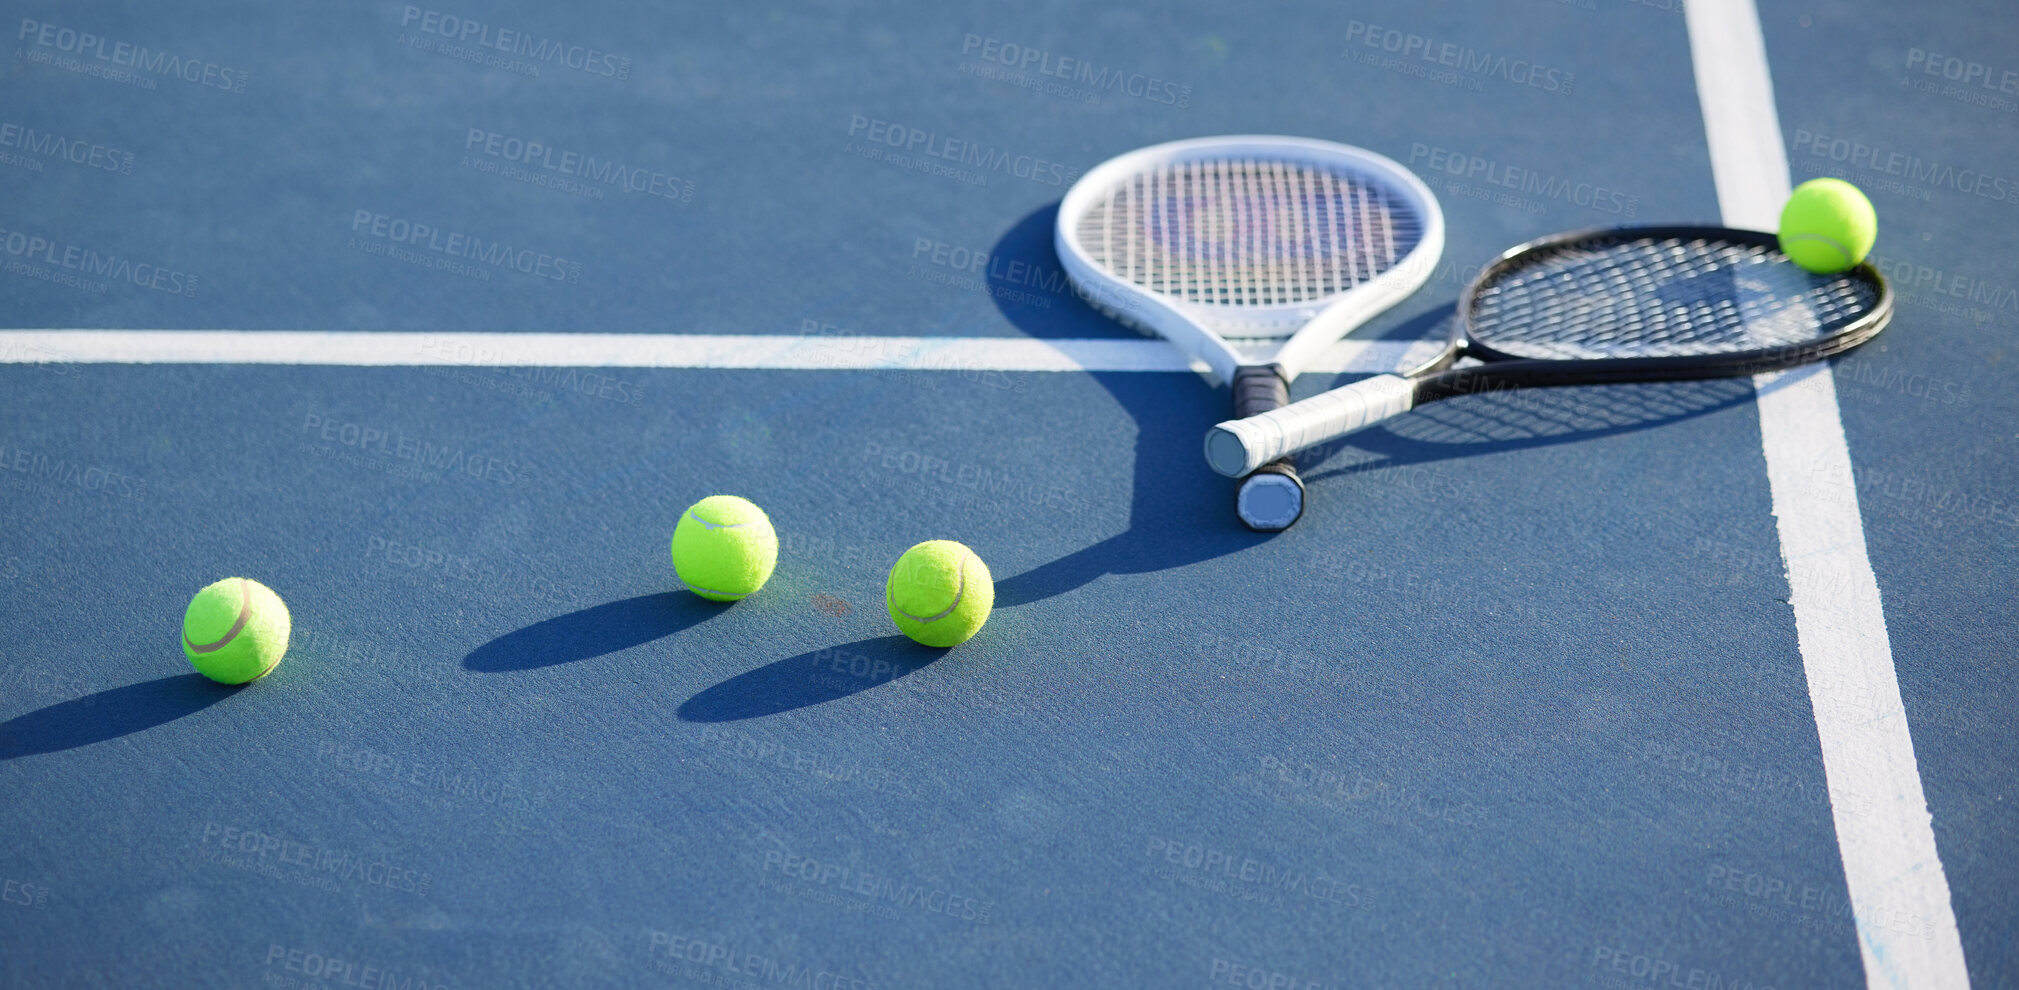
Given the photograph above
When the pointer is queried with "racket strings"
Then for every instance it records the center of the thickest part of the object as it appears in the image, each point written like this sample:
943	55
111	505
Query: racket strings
1249	232
1614	297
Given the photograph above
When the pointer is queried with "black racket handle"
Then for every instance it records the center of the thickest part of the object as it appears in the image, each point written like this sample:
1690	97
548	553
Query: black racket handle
1272	498
1258	389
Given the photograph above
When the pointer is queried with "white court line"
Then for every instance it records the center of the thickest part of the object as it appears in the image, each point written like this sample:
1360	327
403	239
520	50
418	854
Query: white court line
618	350
1899	895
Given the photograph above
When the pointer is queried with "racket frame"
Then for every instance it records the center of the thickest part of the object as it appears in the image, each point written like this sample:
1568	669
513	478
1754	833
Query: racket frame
1371	400
1271	497
1202	331
1501	370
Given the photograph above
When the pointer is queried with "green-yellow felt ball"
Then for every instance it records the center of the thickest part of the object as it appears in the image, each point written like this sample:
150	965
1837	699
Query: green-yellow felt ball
939	593
724	548
235	631
1828	226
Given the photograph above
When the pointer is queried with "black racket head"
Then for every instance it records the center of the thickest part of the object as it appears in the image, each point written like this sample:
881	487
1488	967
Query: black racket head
1664	302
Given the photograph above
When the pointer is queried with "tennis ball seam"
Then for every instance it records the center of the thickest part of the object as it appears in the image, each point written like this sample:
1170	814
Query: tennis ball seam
727	559
920	582
256	640
1836	245
716	525
958	591
244	616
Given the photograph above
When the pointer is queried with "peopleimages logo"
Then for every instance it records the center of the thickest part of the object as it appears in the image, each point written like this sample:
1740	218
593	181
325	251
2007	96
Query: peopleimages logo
1906	165
881	888
474	32
34	248
264	851
931	144
84	44
1235	872
57	470
397	445
1996	80
743	968
1475	168
1407	45
317	969
68	149
456	244
1651	970
1024	58
573	164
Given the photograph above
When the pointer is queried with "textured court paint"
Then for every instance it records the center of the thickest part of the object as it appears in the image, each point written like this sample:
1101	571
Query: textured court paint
1906	927
604	350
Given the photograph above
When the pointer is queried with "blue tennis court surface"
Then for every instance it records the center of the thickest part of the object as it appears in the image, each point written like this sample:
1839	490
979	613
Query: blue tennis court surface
1555	688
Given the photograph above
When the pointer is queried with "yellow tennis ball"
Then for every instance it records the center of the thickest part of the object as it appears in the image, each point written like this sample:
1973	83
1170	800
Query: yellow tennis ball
235	631
724	548
1828	226
939	593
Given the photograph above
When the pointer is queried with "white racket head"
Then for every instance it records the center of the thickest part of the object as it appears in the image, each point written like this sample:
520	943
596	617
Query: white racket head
1251	238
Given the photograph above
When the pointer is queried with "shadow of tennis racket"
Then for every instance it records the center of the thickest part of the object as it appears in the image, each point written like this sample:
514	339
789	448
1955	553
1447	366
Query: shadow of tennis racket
1178	510
1516	419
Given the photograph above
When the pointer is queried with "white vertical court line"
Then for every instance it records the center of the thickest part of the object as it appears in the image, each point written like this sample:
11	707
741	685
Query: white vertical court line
1899	896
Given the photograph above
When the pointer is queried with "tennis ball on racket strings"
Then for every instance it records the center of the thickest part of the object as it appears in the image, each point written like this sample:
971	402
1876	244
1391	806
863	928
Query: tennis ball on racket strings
724	548
939	593
1828	226
235	631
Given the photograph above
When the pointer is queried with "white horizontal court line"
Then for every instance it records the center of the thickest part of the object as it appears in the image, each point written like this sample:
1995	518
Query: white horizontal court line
619	350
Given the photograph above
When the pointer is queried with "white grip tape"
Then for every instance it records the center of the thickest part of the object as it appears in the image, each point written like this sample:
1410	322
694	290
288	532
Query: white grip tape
1239	446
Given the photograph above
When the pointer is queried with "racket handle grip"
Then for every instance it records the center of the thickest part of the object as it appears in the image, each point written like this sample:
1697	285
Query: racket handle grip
1270	499
1238	447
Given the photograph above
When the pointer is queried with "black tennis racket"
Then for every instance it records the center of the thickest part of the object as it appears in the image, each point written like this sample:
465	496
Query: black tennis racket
1629	304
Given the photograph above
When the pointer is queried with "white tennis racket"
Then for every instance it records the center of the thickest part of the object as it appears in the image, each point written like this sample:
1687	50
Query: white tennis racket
1226	246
